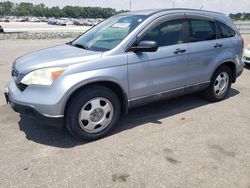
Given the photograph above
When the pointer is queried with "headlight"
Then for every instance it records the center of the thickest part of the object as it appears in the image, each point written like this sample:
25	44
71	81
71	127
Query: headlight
45	76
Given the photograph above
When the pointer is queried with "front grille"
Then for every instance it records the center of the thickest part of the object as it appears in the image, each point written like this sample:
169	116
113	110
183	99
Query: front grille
21	86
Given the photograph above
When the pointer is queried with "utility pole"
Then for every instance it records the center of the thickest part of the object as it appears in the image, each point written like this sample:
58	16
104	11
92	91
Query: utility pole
130	5
173	3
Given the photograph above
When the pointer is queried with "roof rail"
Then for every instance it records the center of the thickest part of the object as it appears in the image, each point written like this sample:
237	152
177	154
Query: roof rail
188	9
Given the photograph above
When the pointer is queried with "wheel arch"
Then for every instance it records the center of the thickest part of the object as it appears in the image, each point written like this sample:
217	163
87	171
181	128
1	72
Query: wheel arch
119	91
232	65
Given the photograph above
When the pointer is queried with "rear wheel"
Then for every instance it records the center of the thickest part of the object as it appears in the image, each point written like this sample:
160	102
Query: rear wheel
92	113
220	84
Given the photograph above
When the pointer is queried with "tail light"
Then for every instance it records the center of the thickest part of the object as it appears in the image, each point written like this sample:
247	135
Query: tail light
238	31
243	44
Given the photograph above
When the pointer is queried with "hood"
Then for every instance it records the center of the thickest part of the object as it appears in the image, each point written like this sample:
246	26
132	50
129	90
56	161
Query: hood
62	55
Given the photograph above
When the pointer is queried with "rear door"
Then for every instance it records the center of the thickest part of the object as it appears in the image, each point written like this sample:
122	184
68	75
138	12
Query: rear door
231	44
202	49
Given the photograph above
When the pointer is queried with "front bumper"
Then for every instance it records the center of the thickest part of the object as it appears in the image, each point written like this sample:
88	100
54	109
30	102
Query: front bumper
32	112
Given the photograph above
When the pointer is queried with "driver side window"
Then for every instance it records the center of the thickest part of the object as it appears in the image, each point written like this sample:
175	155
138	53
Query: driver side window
167	33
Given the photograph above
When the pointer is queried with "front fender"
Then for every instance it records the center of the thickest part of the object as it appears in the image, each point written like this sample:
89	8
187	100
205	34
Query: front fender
71	83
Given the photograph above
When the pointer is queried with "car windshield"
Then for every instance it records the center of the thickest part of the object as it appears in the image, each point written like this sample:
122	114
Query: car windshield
108	34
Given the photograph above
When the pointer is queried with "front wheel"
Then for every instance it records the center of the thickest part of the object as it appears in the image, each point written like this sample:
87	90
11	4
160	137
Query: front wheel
92	113
220	84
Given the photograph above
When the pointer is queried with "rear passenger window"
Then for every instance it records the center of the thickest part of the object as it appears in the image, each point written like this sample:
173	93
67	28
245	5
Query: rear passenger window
224	31
201	30
167	33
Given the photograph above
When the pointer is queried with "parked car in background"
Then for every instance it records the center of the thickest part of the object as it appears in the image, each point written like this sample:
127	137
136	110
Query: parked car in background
1	29
88	23
43	19
77	22
128	60
61	22
52	21
22	20
34	19
246	55
4	20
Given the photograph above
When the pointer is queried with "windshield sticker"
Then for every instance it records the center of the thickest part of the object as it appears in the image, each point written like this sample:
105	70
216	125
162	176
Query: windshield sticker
121	25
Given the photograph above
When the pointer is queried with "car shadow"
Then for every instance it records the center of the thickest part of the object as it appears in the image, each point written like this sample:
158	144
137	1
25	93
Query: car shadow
149	113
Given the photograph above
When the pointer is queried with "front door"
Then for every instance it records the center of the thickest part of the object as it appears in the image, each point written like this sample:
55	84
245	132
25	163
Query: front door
153	75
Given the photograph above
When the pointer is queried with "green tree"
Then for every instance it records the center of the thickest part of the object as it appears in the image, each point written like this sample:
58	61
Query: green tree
69	11
24	9
6	8
28	9
39	10
55	12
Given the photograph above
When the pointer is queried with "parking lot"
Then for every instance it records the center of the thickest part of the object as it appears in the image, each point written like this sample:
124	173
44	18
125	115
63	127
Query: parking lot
182	142
39	27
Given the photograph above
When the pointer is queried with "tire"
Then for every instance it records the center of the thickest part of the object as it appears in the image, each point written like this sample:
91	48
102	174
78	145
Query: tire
92	113
215	91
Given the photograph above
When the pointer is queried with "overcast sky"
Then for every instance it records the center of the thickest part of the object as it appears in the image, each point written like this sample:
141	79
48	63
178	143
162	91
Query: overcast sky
226	6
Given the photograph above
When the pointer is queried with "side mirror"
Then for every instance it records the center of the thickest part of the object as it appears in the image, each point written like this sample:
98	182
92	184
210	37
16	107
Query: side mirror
145	46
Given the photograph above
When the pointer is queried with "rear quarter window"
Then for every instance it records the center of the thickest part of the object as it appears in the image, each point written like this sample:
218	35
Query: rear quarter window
224	31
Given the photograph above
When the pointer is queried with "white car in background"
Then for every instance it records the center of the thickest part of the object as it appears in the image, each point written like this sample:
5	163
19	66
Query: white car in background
246	55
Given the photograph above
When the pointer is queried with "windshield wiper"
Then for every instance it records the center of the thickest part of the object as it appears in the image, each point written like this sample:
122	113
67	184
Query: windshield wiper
69	43
80	46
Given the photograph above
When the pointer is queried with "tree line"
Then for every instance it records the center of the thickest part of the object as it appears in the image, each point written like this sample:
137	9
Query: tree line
8	8
240	16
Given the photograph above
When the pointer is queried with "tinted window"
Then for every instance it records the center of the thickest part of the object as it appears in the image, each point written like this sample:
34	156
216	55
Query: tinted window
201	30
167	33
224	31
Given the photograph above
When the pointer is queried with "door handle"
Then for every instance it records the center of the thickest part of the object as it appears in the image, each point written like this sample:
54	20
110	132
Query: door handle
218	45
178	51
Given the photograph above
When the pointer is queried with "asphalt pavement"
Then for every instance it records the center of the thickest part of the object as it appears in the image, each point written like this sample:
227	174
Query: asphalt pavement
182	142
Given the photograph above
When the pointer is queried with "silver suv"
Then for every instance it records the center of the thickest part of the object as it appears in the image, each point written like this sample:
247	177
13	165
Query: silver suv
128	60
